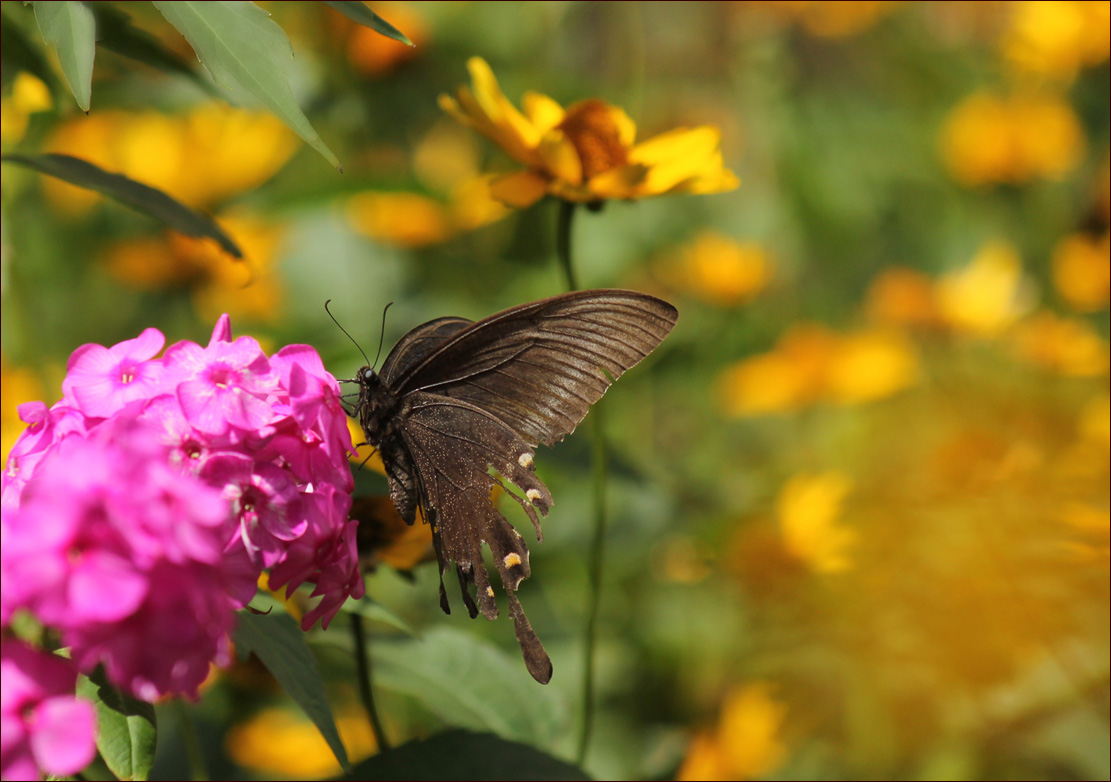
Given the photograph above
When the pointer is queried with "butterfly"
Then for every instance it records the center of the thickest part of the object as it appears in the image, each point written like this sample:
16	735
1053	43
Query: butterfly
458	403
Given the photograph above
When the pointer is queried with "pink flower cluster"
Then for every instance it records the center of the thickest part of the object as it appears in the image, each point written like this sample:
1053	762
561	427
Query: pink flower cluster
140	510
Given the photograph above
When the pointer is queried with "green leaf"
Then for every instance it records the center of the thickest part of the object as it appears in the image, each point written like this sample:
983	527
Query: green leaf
115	32
357	11
279	643
17	53
376	612
461	754
143	198
70	28
245	50
127	731
469	683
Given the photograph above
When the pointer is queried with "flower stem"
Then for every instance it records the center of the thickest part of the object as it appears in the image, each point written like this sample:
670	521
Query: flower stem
193	755
362	660
596	556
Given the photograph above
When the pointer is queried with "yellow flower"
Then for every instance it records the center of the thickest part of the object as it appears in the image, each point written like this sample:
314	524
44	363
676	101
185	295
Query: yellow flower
200	157
1095	421
1082	271
812	364
278	742
988	139
372	53
900	296
808	507
586	152
871	365
28	96
720	270
17	386
1070	347
745	744
987	296
219	283
1057	37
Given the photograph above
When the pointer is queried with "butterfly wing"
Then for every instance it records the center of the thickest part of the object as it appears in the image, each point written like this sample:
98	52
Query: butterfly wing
540	366
482	395
452	443
419	343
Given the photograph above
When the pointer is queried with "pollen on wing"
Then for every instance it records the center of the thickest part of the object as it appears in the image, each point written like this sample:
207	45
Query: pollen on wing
490	589
525	460
533	495
512	559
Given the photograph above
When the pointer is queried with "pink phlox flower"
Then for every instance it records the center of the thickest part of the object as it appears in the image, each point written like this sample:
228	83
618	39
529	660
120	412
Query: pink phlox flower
221	332
167	644
315	396
308	456
46	427
223	385
102	380
264	499
325	556
44	727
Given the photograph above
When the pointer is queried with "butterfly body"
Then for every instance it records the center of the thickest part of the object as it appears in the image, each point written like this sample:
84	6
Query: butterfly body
459	403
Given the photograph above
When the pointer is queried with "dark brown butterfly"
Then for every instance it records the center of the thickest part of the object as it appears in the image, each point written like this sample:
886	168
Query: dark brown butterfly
456	398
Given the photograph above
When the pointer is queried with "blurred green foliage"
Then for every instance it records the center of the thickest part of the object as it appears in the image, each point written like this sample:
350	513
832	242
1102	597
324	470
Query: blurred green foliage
859	497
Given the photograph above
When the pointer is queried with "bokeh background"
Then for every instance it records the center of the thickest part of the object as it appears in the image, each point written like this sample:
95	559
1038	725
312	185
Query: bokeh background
859	497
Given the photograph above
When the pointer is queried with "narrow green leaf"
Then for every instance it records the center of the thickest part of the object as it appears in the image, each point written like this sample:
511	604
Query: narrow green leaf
376	612
357	11
244	49
70	28
115	32
17	53
461	754
469	683
143	198
127	731
279	643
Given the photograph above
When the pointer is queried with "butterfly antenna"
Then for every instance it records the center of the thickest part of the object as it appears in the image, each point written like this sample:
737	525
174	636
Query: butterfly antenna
382	333
341	328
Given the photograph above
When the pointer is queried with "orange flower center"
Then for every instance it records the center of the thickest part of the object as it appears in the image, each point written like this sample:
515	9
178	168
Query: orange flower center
591	129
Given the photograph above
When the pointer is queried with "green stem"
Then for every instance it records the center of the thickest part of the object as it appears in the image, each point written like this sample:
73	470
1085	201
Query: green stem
596	556
563	242
194	757
362	661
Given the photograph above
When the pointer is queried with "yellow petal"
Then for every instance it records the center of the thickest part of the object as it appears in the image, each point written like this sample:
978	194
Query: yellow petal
542	111
681	143
515	126
520	189
686	159
560	157
622	182
626	128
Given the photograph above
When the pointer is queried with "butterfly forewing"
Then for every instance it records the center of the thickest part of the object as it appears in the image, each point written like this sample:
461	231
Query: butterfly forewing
540	366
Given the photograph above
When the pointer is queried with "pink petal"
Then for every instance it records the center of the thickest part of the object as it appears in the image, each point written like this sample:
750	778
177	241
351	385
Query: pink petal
63	735
105	587
222	331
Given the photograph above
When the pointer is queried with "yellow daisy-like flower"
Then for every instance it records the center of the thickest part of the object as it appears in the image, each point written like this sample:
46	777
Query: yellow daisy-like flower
585	153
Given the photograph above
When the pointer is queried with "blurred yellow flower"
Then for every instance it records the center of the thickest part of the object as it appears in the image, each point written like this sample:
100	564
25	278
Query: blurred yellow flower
415	220
384	537
808	508
17	385
1057	37
812	364
988	295
719	269
219	283
1092	526
281	743
28	96
585	153
871	365
1068	346
1082	271
988	139
1095	420
373	54
745	744
900	296
200	157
